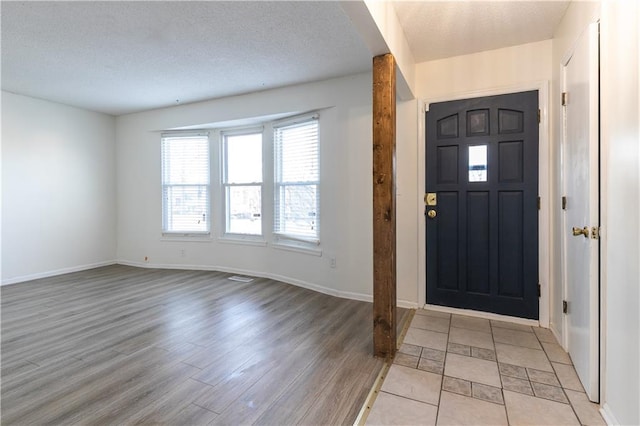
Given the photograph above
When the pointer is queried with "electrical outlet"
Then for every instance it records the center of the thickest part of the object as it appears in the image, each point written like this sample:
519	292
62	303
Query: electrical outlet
332	262
183	253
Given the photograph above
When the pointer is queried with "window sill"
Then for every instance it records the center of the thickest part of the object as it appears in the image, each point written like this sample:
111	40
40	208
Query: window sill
313	250
242	240
185	237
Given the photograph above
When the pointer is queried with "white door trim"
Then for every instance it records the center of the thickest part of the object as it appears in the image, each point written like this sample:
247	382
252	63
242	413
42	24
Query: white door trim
544	218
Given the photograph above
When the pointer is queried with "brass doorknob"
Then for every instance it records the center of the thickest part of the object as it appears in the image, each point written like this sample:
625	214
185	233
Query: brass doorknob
581	231
431	214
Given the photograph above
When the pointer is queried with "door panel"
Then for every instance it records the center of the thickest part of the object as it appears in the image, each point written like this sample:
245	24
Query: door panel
510	246
581	186
482	244
478	242
447	259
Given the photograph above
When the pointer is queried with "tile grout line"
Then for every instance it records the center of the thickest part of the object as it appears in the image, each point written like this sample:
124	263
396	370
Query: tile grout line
444	364
377	384
575	412
495	351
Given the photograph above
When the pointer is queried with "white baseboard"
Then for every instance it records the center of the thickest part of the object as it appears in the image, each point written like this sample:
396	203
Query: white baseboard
293	281
480	314
556	334
607	415
47	274
407	304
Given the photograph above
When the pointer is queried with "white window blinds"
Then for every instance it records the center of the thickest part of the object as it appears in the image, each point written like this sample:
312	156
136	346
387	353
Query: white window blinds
297	178
185	184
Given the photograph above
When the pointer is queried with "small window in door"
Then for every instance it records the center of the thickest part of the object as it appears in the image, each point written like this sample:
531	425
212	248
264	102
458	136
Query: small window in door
478	163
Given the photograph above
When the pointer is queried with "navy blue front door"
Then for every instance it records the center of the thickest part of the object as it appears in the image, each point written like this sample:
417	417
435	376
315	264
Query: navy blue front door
482	217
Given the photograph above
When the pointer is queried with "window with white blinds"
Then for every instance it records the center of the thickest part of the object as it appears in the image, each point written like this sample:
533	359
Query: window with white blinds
185	184
297	180
242	182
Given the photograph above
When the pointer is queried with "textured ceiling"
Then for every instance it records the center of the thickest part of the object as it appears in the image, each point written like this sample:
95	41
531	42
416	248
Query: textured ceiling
119	57
441	29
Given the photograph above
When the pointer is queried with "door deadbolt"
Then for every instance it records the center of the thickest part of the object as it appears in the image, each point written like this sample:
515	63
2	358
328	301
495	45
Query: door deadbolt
431	214
581	231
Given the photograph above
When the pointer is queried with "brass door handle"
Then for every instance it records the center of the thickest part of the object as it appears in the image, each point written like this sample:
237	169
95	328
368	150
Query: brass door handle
581	231
431	213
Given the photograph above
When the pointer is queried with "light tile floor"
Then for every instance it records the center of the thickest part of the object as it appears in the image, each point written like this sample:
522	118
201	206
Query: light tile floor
459	370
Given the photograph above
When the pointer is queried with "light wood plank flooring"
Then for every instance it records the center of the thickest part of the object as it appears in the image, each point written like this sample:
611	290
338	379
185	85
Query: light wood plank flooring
122	345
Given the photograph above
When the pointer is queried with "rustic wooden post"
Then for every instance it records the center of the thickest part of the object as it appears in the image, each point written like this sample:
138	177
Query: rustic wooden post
384	206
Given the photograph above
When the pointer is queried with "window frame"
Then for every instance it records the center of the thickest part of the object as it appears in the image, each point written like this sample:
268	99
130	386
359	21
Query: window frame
225	186
288	238
166	232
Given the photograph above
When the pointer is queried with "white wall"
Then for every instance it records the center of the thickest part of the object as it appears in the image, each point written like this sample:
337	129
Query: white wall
58	188
346	189
620	115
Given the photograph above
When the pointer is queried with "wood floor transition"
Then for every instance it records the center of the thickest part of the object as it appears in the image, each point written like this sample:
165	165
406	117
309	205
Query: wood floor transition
123	345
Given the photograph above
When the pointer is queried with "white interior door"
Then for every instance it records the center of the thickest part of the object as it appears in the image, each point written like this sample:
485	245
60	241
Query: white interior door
581	217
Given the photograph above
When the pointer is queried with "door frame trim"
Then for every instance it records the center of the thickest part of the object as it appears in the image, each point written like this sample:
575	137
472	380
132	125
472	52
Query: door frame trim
544	189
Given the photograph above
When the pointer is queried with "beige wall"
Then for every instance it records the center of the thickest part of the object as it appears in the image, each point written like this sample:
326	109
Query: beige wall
408	205
620	145
486	70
